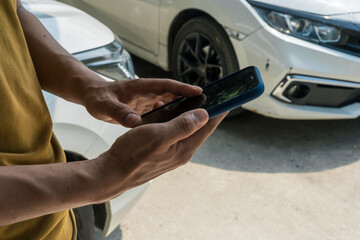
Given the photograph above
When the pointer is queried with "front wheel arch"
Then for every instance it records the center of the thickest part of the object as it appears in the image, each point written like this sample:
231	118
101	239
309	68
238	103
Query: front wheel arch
202	52
178	22
183	17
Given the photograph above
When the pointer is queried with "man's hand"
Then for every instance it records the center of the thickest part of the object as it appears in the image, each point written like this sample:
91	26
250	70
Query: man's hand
124	101
148	151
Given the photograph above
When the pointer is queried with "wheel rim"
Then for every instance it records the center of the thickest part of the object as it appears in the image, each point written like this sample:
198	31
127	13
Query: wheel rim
198	62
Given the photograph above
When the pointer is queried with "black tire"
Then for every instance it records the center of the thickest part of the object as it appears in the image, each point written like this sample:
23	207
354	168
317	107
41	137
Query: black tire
85	222
202	52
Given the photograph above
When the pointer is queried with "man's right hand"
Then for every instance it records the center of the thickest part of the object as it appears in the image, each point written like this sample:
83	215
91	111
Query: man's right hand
141	154
148	151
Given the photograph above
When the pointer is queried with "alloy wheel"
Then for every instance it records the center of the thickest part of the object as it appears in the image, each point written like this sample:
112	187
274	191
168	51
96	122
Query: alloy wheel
198	62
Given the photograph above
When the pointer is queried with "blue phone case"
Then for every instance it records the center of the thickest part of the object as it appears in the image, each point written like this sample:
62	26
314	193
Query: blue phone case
239	100
246	84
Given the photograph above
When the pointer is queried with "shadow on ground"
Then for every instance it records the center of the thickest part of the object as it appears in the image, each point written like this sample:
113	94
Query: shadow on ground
253	143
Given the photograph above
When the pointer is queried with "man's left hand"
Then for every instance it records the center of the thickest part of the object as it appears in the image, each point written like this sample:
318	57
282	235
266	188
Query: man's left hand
124	101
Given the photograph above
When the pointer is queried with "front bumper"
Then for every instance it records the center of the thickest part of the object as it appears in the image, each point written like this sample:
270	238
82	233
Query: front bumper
278	56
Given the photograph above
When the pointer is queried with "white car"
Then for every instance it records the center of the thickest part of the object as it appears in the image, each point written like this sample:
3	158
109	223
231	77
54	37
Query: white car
82	136
308	51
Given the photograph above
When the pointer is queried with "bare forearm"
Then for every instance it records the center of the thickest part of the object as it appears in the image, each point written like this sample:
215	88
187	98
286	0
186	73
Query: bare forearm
36	190
57	70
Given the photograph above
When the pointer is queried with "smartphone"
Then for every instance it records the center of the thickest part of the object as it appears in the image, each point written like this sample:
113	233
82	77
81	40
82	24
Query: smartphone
217	97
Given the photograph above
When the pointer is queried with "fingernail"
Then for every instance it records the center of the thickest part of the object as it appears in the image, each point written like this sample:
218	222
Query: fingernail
200	116
199	88
132	119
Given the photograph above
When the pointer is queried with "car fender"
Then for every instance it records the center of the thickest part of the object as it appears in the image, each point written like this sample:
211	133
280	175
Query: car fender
234	14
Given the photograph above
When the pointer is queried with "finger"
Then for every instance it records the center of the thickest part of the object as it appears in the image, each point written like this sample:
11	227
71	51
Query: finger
185	125
158	104
168	97
192	143
161	86
123	114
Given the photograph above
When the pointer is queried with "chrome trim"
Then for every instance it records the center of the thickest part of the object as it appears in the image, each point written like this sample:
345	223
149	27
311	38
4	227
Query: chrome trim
279	90
127	73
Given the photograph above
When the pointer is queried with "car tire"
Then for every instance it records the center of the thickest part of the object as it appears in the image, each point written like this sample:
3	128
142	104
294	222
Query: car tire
85	222
202	52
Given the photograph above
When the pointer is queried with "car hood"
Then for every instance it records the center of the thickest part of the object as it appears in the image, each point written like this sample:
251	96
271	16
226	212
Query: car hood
75	30
321	7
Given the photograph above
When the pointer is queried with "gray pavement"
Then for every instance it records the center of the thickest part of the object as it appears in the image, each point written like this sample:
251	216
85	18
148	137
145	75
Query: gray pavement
259	178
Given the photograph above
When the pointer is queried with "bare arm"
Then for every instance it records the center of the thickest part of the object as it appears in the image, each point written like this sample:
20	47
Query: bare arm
35	190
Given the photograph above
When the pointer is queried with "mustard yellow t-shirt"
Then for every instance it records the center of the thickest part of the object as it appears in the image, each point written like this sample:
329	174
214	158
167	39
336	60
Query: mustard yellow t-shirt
26	135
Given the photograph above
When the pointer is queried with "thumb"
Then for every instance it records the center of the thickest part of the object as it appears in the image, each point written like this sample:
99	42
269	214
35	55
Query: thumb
186	124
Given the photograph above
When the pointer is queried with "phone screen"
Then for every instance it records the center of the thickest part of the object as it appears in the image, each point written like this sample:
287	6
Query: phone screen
216	94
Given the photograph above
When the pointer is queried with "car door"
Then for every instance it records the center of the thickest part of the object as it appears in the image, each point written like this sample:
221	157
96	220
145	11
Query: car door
135	21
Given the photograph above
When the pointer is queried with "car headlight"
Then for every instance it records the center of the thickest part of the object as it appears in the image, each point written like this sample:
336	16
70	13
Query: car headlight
112	61
323	30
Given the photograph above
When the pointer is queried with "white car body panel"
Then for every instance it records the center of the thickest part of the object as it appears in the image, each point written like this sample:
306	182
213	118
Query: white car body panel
146	35
75	128
67	23
281	55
